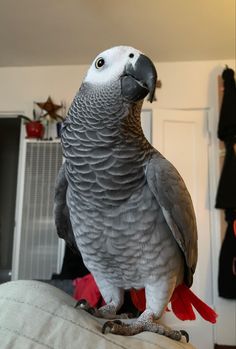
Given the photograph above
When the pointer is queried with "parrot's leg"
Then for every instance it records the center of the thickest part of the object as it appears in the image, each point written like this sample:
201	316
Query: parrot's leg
157	298
114	298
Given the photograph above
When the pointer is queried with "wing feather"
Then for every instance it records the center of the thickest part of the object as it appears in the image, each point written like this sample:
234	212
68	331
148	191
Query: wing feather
61	211
174	199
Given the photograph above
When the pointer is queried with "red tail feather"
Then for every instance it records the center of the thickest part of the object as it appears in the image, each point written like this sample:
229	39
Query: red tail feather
86	288
138	298
183	299
181	305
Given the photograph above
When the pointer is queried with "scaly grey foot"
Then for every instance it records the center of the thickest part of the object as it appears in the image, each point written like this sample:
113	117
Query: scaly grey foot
120	328
105	312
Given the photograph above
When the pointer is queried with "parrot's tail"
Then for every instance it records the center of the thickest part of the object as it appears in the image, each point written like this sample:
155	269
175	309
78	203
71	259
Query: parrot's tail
182	302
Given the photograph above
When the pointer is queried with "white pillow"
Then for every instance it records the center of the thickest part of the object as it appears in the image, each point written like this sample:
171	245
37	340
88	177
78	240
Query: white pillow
34	314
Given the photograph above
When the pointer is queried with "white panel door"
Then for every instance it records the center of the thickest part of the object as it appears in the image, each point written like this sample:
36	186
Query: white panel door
182	137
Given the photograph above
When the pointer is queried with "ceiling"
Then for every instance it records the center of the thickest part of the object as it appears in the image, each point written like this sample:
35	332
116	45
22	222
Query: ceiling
65	32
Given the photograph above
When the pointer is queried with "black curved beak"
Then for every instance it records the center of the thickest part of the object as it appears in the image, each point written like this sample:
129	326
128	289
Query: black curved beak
139	80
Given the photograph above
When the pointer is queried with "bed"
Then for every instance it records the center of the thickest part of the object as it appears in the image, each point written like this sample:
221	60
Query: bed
37	315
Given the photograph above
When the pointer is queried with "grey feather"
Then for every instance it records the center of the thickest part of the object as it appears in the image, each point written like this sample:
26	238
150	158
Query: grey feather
173	197
130	213
61	211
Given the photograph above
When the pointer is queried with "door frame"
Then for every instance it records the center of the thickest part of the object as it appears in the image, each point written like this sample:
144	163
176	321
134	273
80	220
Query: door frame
214	173
226	309
19	185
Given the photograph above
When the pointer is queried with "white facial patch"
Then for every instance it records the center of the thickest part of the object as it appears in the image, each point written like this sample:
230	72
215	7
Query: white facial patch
115	60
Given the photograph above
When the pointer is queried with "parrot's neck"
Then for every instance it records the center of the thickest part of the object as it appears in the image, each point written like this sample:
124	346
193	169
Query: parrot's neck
105	150
112	122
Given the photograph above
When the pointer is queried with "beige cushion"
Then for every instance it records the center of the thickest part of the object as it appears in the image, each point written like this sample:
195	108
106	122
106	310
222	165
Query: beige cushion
36	315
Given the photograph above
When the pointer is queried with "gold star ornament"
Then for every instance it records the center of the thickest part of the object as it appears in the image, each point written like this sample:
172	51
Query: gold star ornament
50	108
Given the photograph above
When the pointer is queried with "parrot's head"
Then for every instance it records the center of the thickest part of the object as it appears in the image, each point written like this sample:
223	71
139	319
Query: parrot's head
135	72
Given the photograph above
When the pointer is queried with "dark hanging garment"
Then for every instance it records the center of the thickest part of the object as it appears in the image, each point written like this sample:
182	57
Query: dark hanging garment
227	266
226	193
227	121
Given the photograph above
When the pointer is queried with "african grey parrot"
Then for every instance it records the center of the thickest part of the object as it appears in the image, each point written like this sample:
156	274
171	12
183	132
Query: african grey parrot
124	205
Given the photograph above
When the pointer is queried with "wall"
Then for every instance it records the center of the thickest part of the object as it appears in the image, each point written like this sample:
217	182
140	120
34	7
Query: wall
184	85
20	87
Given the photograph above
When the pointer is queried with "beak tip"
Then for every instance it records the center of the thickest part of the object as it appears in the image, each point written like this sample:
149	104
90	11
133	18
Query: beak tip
151	97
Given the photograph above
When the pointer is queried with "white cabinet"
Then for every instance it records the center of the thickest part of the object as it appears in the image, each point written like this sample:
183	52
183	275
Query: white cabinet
36	244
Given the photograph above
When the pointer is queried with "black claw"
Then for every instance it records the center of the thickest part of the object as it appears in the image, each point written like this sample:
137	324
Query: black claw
185	334
112	326
108	324
82	303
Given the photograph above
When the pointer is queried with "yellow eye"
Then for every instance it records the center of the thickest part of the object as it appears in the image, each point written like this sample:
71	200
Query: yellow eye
99	63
